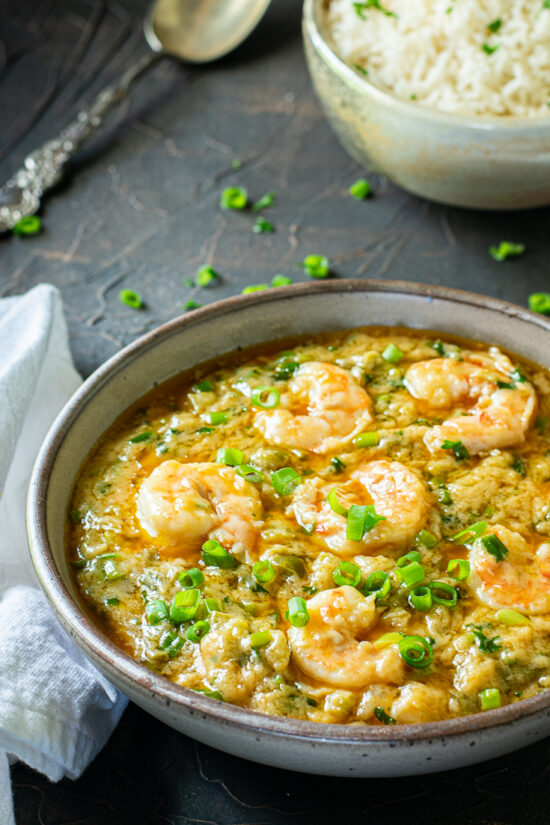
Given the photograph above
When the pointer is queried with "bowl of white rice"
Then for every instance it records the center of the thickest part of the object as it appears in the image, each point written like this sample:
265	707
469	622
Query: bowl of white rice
449	98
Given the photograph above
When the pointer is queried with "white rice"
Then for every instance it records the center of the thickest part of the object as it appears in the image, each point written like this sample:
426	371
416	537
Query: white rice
432	52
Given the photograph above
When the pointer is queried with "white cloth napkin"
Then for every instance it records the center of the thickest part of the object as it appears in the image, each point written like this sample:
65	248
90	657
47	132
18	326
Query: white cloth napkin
56	710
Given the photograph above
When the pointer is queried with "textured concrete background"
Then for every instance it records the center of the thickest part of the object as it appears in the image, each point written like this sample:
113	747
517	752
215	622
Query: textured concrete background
139	209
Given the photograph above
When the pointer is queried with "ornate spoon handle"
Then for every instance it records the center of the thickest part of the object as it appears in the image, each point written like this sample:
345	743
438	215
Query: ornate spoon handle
43	168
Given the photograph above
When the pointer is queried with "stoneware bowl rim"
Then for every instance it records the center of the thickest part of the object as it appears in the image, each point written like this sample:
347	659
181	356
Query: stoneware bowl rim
95	643
361	84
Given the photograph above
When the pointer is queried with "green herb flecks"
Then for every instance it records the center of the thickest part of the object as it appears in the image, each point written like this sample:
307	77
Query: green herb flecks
505	249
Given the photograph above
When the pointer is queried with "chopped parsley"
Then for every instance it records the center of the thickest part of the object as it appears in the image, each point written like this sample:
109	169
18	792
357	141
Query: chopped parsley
495	25
361	8
490	49
457	448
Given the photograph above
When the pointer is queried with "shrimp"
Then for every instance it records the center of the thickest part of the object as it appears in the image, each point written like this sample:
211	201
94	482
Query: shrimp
182	505
521	580
329	649
495	416
323	409
396	492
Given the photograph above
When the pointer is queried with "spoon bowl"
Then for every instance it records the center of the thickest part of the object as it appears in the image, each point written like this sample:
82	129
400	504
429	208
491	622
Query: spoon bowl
199	31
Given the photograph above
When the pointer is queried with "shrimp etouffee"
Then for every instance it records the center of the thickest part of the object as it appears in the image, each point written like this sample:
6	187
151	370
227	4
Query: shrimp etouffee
354	530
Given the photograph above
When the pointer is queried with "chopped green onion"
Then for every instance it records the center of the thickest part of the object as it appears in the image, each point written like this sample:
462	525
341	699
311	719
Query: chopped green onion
511	617
230	456
505	249
203	386
370	439
147	436
495	25
130	298
218	418
488	49
156	611
281	280
215	555
412	555
171	643
191	578
494	546
378	582
249	290
335	505
387	640
234	197
31	225
249	473
518	376
113	602
196	632
392	354
212	694
260	638
361	189
485	644
111	572
459	569
457	448
489	699
426	539
518	465
191	305
347	573
438	346
540	302
184	606
411	574
467	535
383	717
262	225
362	518
205	275
420	598
75	516
338	465
212	605
443	593
263	571
264	202
361	69
297	613
416	651
316	266
285	480
266	397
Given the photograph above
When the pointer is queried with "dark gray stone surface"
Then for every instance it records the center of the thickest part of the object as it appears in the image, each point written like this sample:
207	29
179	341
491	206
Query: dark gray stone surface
139	209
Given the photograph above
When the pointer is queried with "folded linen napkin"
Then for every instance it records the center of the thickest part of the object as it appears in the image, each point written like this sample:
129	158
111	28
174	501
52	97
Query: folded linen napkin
56	710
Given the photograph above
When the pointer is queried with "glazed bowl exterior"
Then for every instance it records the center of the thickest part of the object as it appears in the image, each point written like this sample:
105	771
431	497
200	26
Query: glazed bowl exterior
204	335
477	162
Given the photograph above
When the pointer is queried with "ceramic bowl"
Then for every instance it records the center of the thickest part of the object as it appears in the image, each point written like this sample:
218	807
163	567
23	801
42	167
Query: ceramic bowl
479	162
205	334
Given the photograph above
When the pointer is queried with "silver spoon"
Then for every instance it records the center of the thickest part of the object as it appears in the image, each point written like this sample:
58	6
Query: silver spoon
197	31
